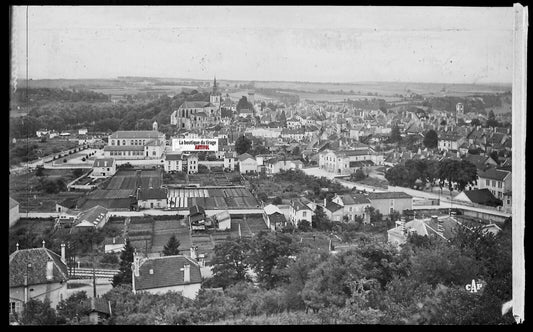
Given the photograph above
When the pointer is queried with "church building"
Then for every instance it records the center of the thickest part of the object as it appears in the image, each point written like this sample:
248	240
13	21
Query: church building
198	114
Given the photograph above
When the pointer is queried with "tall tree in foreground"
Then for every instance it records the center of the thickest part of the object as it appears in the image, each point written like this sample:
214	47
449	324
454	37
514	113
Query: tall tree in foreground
38	312
126	259
172	246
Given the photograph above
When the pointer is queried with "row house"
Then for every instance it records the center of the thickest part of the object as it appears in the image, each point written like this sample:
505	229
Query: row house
177	162
353	205
292	134
275	165
498	181
346	161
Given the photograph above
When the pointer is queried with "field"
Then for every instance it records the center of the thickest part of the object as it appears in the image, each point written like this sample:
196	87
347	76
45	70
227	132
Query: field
127	179
164	229
211	198
22	188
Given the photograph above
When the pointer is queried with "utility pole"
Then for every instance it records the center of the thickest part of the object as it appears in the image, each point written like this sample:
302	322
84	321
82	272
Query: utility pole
94	273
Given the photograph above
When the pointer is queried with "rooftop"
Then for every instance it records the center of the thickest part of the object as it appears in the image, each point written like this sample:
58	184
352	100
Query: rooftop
166	271
104	162
38	258
146	134
388	195
494	174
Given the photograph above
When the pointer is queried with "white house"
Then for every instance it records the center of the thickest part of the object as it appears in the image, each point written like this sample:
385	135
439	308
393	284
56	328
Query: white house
104	167
82	131
273	217
229	161
353	205
223	220
299	211
173	162
275	165
152	198
14	214
159	275
36	273
247	163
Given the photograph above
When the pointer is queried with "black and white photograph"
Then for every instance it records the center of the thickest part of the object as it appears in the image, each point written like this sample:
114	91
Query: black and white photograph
267	165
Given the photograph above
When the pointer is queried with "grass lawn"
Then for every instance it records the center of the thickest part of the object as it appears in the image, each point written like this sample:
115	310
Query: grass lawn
43	149
22	188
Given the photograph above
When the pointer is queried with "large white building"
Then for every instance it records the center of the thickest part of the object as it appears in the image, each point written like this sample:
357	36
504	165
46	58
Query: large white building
135	144
347	161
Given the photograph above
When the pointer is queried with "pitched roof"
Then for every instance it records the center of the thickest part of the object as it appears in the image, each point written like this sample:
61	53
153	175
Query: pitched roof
332	206
299	205
93	215
481	196
196	209
195	104
152	193
360	199
124	148
38	258
12	203
224	215
166	272
270	209
146	134
494	174
104	162
245	156
173	156
388	195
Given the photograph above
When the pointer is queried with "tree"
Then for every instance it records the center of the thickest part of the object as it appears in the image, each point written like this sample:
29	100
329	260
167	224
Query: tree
126	259
395	136
398	175
459	173
38	312
475	122
431	139
39	171
172	246
358	175
304	226
229	262
277	200
73	308
443	122
494	155
242	145
320	220
268	255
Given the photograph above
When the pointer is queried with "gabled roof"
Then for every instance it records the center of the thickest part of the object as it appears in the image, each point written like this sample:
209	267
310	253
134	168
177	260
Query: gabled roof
152	193
224	215
173	156
196	209
494	174
245	156
146	134
104	162
38	258
388	195
360	199
93	215
332	206
299	205
167	271
270	209
195	104
481	196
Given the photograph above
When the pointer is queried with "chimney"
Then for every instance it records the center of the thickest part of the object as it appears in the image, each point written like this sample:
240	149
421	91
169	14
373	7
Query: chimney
324	202
440	228
63	255
186	273
17	246
50	270
136	263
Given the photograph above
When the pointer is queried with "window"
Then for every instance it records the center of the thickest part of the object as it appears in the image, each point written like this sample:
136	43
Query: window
494	183
108	169
153	153
304	214
12	307
508	201
499	184
487	183
123	142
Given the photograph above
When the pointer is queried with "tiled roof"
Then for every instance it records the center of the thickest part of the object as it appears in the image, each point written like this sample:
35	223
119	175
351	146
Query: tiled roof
245	156
195	104
332	206
93	215
298	205
146	134
494	174
388	195
173	156
481	196
38	258
152	193
124	148
196	209
270	209
104	162
360	199
166	272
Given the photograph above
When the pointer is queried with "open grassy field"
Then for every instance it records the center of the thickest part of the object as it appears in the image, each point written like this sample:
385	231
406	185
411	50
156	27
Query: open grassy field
23	189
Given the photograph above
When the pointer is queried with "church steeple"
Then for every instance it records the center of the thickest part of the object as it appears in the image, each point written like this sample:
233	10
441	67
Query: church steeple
215	96
215	90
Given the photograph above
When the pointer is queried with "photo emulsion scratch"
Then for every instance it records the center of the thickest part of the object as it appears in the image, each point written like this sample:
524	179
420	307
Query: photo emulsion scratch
268	165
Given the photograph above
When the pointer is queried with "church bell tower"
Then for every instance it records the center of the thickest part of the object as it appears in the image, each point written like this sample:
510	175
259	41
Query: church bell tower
215	96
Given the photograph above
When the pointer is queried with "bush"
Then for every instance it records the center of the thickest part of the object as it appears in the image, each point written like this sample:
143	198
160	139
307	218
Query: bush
65	160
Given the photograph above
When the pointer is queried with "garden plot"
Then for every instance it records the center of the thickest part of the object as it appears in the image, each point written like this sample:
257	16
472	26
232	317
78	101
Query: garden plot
163	231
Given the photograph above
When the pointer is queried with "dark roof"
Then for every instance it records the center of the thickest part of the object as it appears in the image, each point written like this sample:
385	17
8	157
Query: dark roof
124	148
104	162
93	215
38	258
245	156
332	206
195	104
482	196
494	174
173	156
98	304
152	193
195	209
388	195
167	272
277	218
146	134
360	199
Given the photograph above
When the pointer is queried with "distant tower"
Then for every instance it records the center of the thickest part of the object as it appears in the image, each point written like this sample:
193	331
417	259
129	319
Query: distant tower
215	96
154	126
459	111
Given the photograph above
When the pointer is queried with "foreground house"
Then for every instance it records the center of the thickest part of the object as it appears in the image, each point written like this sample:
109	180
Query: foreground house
159	275
96	217
247	163
37	273
499	182
299	211
152	198
273	217
386	202
353	205
478	196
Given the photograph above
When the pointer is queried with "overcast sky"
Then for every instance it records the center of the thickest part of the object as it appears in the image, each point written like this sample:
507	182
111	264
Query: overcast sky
321	44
